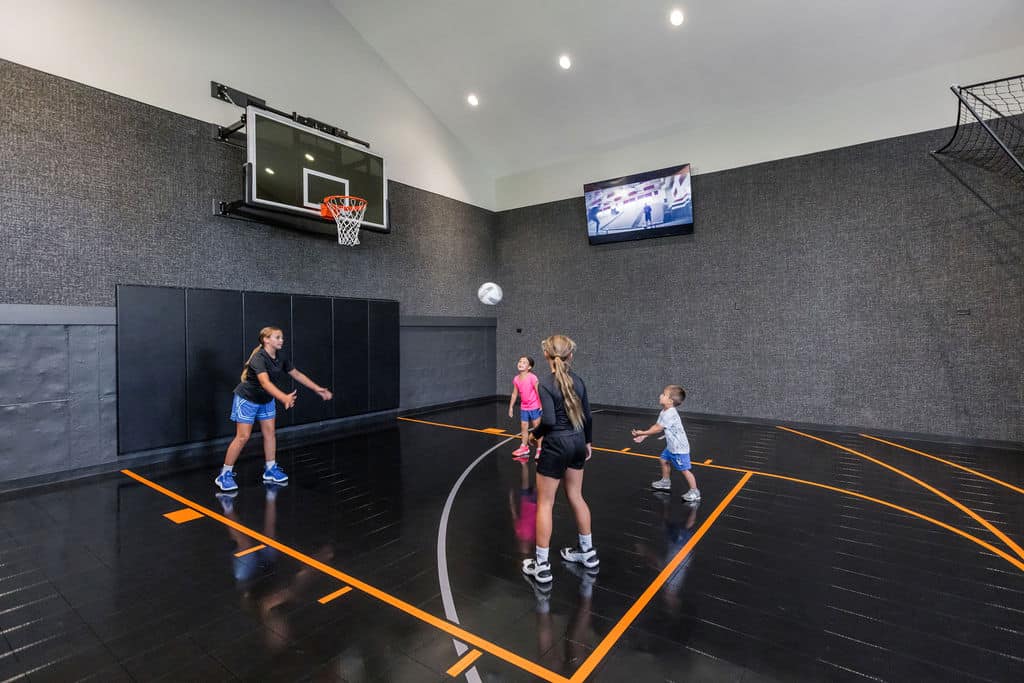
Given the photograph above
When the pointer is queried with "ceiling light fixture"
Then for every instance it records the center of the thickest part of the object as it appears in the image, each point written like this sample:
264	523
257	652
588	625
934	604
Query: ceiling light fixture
309	157
676	17
564	61
473	100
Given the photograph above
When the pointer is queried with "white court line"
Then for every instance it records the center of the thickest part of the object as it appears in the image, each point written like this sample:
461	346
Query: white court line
442	557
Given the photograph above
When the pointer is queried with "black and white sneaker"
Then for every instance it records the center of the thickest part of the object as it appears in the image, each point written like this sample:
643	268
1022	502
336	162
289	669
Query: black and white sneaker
541	573
587	558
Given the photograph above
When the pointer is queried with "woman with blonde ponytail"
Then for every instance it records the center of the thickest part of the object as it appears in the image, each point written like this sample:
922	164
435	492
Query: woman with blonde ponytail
254	402
566	429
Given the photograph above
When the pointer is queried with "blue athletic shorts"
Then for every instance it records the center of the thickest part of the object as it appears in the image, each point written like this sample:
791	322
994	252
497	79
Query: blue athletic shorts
527	415
680	461
248	412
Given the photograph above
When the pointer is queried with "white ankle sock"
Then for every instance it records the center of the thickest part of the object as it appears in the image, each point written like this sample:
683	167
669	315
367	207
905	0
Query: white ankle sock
226	468
586	542
542	555
270	464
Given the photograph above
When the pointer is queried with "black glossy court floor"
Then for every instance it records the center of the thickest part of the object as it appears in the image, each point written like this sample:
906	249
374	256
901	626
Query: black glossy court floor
394	556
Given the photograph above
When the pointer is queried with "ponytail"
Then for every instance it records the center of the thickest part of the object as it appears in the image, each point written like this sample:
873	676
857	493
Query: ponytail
264	334
559	349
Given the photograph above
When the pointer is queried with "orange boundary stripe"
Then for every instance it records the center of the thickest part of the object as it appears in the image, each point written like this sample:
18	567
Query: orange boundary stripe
613	636
254	549
946	462
336	594
957	504
464	663
437	622
182	516
974	539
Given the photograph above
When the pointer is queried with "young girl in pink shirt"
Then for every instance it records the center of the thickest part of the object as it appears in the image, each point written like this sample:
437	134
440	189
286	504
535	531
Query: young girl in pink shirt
524	387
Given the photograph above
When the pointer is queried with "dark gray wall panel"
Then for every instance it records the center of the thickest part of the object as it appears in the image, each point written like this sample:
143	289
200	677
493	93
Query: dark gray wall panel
383	359
34	438
874	285
444	364
351	353
153	408
214	356
263	309
312	353
34	364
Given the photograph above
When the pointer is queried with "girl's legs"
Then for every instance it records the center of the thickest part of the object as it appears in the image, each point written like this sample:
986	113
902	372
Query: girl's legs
269	439
547	487
242	433
524	427
574	491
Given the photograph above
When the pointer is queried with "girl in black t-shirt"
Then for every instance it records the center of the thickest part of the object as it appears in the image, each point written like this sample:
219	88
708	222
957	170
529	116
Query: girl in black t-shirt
566	429
254	402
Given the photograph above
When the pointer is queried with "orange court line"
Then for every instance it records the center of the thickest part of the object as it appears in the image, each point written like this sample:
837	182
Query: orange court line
183	515
625	450
336	594
960	506
493	430
947	462
613	636
464	663
437	622
707	462
974	539
254	549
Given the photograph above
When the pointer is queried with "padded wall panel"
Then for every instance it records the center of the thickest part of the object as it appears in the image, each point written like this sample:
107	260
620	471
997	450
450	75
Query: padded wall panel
214	357
151	383
351	391
383	355
312	353
263	309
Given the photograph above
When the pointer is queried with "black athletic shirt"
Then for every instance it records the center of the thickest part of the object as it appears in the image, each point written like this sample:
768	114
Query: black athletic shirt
554	419
278	369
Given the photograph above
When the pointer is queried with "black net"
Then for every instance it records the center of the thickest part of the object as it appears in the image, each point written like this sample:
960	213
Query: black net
990	126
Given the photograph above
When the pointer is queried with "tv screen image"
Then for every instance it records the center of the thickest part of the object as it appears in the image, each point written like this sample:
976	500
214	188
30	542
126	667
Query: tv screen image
652	204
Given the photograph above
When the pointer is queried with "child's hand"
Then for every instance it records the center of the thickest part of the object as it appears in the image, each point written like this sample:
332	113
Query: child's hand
640	438
510	413
325	394
634	432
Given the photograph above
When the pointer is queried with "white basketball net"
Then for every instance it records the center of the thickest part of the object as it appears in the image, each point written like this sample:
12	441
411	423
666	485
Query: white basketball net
348	214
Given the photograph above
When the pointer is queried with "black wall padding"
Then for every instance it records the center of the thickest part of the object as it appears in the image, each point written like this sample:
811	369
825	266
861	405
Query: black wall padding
311	351
383	355
215	353
152	406
263	309
180	353
351	349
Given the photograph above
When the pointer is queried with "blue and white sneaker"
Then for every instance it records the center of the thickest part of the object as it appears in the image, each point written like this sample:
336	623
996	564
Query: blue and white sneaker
225	481
274	475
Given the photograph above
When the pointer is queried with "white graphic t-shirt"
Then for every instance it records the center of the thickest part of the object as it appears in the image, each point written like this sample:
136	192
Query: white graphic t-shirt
675	435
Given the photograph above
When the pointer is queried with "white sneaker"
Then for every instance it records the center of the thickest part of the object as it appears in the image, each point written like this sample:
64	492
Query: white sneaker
541	573
692	495
662	484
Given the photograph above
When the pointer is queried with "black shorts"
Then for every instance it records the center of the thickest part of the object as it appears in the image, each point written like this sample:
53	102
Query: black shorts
561	451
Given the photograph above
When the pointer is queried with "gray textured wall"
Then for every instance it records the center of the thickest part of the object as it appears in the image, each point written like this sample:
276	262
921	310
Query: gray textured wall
96	190
830	288
447	362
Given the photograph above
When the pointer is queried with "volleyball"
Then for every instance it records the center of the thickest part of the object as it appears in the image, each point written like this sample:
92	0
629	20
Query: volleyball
489	293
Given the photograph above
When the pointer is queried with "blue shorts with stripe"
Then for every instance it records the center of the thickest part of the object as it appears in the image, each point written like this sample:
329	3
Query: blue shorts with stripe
248	412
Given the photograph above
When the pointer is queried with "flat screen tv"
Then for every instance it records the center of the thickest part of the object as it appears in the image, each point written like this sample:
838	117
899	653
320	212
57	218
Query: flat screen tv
651	204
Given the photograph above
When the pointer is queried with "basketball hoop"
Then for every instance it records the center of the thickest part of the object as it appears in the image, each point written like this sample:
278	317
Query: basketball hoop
348	214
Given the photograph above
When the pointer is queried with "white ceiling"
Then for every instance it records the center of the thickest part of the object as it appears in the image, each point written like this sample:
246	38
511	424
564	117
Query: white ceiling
636	76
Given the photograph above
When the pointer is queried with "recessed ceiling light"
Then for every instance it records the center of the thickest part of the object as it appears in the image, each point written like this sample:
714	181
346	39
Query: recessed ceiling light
564	61
473	100
269	170
676	17
310	157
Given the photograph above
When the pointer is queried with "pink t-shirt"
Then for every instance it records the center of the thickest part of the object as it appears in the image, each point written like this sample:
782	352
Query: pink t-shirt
527	391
